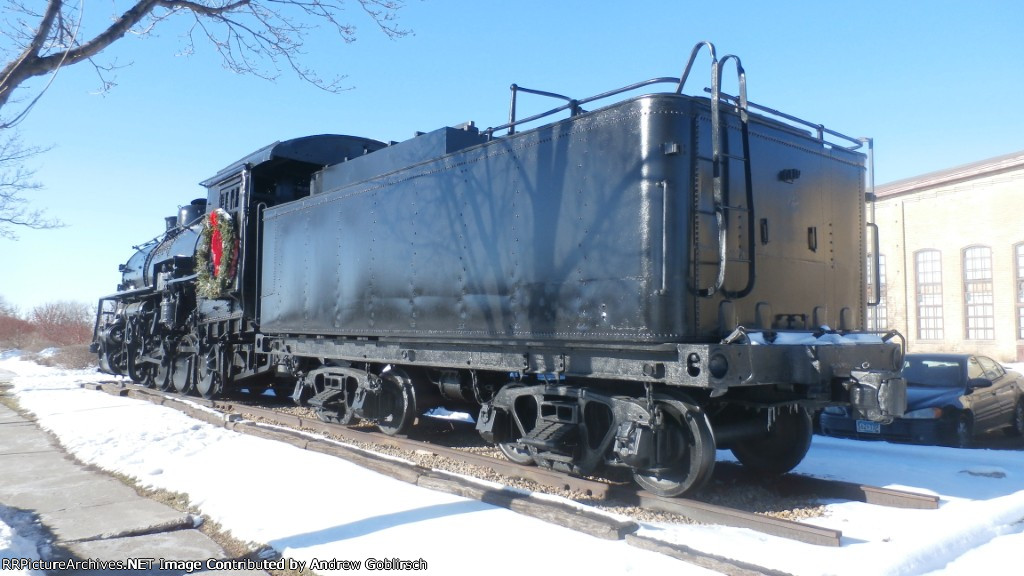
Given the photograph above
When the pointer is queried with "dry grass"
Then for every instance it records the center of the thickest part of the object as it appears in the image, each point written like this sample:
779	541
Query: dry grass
75	357
71	357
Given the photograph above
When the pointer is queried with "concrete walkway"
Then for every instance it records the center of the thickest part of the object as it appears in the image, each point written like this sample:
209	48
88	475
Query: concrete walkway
85	515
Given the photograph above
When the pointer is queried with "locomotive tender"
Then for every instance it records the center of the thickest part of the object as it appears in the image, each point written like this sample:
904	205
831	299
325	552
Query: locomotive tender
632	286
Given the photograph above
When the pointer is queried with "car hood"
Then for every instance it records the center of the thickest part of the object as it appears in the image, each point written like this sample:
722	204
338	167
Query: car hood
928	397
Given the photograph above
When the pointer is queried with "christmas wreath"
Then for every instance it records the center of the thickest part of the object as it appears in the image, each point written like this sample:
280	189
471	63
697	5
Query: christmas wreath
216	255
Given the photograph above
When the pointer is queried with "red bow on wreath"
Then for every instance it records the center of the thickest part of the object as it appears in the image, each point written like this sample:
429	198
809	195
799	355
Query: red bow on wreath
216	248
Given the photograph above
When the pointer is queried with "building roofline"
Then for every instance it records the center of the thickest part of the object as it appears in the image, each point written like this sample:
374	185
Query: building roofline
951	175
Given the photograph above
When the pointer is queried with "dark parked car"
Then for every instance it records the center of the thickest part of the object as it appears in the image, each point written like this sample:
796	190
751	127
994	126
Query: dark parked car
951	399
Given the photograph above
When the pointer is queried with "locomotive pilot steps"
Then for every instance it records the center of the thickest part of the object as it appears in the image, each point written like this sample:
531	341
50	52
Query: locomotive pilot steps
630	286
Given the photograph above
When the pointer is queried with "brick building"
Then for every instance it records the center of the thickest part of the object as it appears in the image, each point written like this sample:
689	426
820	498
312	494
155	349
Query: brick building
952	259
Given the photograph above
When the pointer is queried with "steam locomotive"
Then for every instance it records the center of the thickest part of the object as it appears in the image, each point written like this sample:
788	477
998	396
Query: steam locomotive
634	285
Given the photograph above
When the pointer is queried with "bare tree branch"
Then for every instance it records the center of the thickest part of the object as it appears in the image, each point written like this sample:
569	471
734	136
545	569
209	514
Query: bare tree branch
15	181
258	37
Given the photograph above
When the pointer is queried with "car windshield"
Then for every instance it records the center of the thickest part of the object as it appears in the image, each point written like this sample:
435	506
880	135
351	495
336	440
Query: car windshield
933	373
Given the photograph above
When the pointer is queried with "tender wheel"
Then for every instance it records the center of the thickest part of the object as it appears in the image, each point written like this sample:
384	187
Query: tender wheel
964	431
397	403
685	452
517	453
782	447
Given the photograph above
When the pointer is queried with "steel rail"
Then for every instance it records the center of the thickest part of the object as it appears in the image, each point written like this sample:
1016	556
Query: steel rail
706	513
800	484
542	476
694	510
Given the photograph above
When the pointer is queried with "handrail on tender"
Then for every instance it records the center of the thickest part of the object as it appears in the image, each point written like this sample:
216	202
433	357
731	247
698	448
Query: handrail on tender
575	105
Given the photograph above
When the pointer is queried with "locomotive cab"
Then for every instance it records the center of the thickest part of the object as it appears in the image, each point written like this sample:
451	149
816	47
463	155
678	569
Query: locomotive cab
185	311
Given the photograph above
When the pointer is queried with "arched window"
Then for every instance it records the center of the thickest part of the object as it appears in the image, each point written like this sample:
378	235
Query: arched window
1018	260
928	288
877	315
979	309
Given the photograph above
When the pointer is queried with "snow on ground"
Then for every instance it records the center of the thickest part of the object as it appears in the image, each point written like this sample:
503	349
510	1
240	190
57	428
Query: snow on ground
308	505
16	547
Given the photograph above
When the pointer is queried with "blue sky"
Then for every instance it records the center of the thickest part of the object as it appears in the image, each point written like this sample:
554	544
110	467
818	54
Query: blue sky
936	84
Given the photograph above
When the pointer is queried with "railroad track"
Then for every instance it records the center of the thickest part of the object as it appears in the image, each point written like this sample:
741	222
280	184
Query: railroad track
296	429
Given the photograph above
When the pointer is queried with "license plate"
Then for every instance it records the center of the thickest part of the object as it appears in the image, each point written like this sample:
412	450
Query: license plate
869	427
